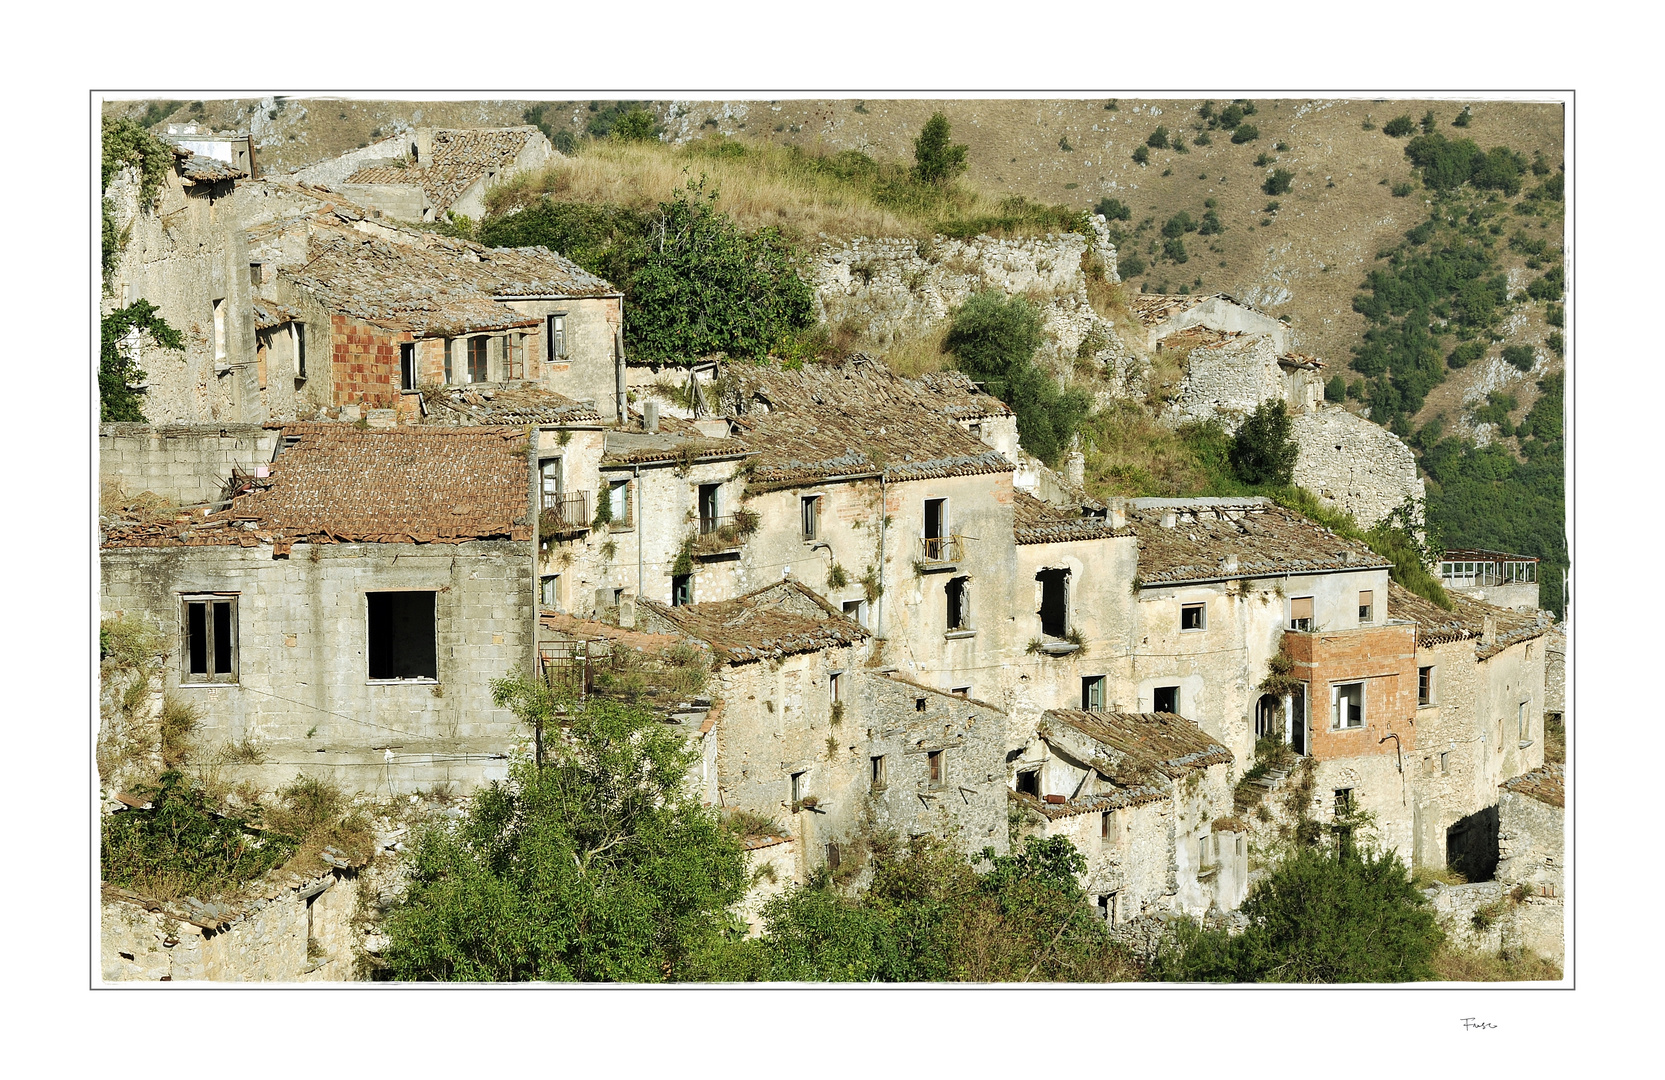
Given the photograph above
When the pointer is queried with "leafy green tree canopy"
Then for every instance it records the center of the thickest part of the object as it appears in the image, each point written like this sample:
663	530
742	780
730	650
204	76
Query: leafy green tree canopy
704	285
936	159
1262	451
598	867
994	338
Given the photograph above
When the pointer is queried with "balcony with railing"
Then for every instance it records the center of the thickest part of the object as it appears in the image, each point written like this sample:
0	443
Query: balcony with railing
565	515
940	551
721	534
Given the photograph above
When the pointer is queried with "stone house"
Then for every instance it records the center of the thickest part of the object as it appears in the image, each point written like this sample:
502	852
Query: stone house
811	736
1531	826
426	173
346	612
1353	465
386	311
1479	720
1146	798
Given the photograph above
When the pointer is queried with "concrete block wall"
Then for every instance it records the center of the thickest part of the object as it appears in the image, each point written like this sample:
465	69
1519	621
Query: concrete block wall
303	694
183	463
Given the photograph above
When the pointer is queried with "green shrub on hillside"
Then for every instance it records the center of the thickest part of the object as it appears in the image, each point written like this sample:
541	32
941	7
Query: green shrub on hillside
1262	451
1141	155
1279	182
1465	354
1520	356
1245	133
1548	287
937	160
1399	126
1173	248
1113	209
1336	388
994	338
1158	139
1178	225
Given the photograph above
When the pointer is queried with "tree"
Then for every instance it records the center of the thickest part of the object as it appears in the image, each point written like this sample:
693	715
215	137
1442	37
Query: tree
597	867
635	126
994	338
1262	451
118	402
705	286
1319	917
936	160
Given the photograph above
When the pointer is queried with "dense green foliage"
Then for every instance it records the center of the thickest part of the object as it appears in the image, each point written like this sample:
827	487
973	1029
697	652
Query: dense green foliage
604	239
1399	126
1262	451
936	159
1113	209
1279	182
928	916
124	142
1158	139
636	125
994	338
597	867
706	286
183	843
1318	918
117	401
1487	498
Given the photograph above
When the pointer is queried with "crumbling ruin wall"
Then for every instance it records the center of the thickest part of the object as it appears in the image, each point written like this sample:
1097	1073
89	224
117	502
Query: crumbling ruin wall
1354	465
1228	381
298	931
183	464
891	288
1531	838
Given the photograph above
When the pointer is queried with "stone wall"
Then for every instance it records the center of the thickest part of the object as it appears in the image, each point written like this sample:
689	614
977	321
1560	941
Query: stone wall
183	464
1531	840
301	931
303	694
892	288
1227	380
1354	465
1555	670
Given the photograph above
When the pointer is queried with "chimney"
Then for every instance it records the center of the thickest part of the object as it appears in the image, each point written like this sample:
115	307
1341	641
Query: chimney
627	612
1229	563
1349	557
1488	629
422	146
1169	519
1075	469
650	415
1118	514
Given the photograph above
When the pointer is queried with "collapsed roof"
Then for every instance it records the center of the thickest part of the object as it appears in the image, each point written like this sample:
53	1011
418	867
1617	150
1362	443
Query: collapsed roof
1436	626
460	157
1267	539
1134	757
780	619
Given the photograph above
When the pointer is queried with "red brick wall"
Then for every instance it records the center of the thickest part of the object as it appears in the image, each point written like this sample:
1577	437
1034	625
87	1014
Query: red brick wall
1384	658
364	363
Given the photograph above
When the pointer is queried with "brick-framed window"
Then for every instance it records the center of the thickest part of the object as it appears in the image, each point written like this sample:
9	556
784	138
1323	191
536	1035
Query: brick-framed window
208	627
1347	705
407	365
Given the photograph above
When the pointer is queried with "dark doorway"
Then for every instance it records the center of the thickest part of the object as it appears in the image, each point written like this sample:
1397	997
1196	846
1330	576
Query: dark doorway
1269	718
1054	601
708	508
1471	845
1298	720
1165	699
402	635
959	604
1029	783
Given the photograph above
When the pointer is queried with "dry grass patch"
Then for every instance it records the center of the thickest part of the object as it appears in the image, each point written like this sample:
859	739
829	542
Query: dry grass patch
920	355
1463	965
1129	453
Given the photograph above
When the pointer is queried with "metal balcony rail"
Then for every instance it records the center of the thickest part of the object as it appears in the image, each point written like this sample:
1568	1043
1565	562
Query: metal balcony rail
934	549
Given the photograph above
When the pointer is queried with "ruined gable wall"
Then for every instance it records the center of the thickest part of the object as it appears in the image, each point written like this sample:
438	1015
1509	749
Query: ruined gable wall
1354	465
1453	780
1228	382
184	464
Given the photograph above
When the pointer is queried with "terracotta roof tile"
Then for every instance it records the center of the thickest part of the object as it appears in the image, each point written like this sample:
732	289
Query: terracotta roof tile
506	404
341	483
1267	539
1035	522
1436	626
460	157
1170	742
1547	784
777	620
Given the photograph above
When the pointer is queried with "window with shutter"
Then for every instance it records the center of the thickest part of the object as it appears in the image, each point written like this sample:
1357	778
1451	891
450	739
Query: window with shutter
1300	613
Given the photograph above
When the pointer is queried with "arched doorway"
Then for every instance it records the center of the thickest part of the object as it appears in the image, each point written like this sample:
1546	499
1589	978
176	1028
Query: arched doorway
1269	717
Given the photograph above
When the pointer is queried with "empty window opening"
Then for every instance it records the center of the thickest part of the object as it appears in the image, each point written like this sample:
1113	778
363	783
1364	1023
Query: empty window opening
254	274
876	772
1347	701
298	332
1298	718
1165	699
407	366
1108	907
857	610
708	508
211	640
1106	825
477	368
918	704
1193	617
1525	722
1092	693
402	644
960	691
549	482
1054	610
1104	909
1343	801
800	785
1445	761
835	686
959	603
557	336
832	855
1425	686
936	518
550	591
810	513
682	590
934	767
219	329
1029	782
1205	853
1269	717
1367	607
1300	613
450	351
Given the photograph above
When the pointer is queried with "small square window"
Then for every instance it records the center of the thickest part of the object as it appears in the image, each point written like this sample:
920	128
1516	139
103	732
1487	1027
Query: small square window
1343	801
1165	699
918	704
876	774
255	274
857	610
1193	617
550	591
960	691
934	768
402	635
1029	782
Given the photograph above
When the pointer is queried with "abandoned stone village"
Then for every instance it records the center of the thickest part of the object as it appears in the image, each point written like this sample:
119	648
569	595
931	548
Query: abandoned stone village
390	466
